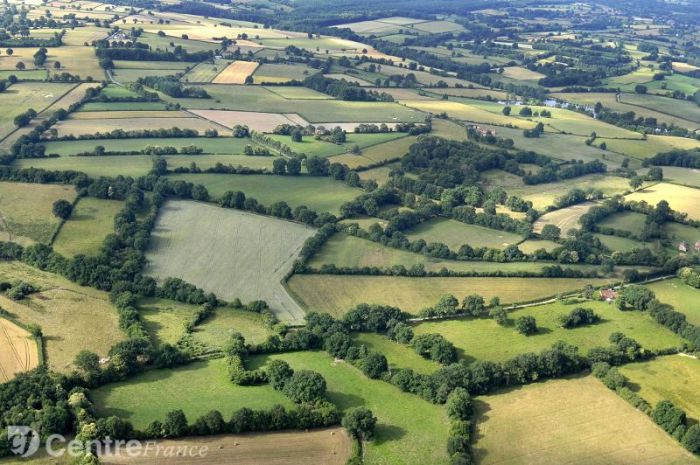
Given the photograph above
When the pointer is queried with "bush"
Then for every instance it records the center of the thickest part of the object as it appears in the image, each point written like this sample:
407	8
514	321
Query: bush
305	386
526	325
62	209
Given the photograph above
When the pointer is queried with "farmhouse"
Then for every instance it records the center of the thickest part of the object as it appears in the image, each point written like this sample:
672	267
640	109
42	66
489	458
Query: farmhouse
608	295
482	131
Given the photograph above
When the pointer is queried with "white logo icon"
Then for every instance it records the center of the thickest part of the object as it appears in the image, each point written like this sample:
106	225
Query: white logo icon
24	441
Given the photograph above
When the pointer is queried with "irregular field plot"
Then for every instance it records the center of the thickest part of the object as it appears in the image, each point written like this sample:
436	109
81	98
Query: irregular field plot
236	72
83	233
560	421
318	193
71	317
455	233
196	388
228	252
685	176
262	122
26	210
22	96
217	145
564	219
18	351
217	329
79	127
281	73
682	297
138	165
398	355
337	294
165	319
484	339
409	430
324	446
626	221
376	154
680	198
313	147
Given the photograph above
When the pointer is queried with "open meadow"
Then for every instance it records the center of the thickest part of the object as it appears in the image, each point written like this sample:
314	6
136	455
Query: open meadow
680	198
682	297
72	318
318	193
336	294
455	234
252	256
25	211
91	221
560	421
484	339
565	218
409	430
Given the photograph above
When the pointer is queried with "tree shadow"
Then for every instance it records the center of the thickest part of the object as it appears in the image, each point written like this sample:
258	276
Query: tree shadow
387	433
344	400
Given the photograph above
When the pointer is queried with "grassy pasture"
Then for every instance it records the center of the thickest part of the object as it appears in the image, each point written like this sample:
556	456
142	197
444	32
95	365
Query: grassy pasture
298	93
448	130
214	145
336	294
196	388
204	72
543	195
565	218
22	96
257	121
26	75
252	256
377	153
484	339
649	147
409	430
325	446
317	193
83	233
236	72
680	198
121	106
465	112
19	352
627	221
682	297
26	210
521	74
532	245
560	421
138	165
679	108
684	176
165	319
226	97
313	147
674	378
71	317
621	244
216	330
281	73
454	234
686	84
398	355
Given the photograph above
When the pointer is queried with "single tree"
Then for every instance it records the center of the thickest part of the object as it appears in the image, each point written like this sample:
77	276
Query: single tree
360	423
62	209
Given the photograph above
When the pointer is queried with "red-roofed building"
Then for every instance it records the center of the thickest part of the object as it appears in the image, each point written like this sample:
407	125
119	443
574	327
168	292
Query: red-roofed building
608	295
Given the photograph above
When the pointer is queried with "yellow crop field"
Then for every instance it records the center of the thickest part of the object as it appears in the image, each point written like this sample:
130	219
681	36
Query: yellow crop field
18	352
236	72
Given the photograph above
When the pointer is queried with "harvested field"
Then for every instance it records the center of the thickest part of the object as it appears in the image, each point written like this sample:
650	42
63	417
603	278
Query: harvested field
77	127
521	74
26	211
564	219
127	114
484	339
261	122
214	145
337	294
560	421
674	378
18	351
72	318
680	198
318	193
325	446
205	72
84	232
236	72
252	256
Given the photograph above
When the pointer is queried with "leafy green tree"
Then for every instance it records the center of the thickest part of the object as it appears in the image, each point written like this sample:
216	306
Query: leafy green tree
668	416
499	315
62	209
474	305
459	404
691	439
374	365
526	325
550	232
175	424
360	423
305	386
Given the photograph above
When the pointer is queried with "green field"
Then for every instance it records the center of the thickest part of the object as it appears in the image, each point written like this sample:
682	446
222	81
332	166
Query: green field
196	388
625	221
320	148
455	234
22	96
165	319
565	218
72	317
484	339
216	330
25	211
91	221
409	430
213	145
377	153
674	378
679	198
532	245
280	73
684	176
560	421
398	355
337	294
318	193
682	297
252	255
621	244
139	165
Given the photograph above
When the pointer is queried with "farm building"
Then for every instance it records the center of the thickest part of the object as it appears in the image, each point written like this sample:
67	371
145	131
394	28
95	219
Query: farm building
608	295
683	247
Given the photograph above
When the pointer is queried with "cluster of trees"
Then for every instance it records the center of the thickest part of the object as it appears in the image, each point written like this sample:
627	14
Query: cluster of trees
25	118
553	172
17	290
99	151
171	86
344	90
96	95
690	276
141	52
459	411
134	134
435	347
683	158
579	317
